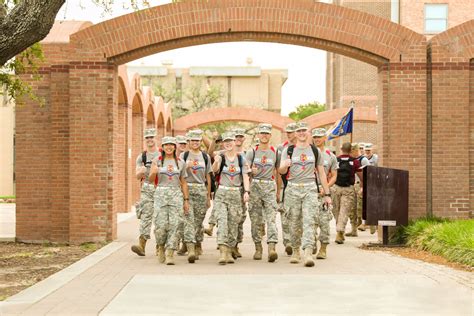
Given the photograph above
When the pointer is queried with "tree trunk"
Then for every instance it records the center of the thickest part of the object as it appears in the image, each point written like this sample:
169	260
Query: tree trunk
27	23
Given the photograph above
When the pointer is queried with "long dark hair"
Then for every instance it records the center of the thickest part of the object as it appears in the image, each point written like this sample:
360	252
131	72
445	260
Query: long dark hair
163	154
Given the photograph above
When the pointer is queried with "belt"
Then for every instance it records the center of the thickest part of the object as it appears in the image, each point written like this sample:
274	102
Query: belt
168	188
229	188
196	184
300	185
263	181
148	185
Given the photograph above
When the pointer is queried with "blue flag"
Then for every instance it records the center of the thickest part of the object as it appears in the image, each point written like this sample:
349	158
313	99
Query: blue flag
343	126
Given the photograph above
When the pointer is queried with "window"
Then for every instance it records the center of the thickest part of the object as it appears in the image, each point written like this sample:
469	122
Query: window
436	18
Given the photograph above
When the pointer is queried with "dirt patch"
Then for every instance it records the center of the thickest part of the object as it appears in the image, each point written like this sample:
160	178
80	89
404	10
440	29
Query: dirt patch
422	255
22	265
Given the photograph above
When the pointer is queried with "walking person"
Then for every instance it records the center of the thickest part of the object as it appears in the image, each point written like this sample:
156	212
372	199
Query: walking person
239	148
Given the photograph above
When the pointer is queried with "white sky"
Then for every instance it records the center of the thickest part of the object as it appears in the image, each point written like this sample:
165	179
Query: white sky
306	66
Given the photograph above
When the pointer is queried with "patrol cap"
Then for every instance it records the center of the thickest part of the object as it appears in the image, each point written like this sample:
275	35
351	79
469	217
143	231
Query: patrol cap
239	132
290	128
194	134
301	126
368	146
150	132
362	145
168	140
318	132
228	136
265	128
180	139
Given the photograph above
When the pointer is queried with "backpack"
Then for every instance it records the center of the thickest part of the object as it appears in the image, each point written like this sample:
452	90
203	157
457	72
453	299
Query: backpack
345	172
223	164
206	161
148	164
290	154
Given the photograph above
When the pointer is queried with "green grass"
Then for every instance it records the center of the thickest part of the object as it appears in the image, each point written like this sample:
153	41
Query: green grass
3	197
453	240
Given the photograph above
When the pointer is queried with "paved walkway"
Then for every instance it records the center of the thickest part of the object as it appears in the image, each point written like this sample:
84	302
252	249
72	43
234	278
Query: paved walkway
113	281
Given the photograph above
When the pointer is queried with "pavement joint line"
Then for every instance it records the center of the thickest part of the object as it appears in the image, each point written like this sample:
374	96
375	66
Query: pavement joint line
40	290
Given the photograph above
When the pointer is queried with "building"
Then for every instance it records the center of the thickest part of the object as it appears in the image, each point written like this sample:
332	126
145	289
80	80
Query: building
7	131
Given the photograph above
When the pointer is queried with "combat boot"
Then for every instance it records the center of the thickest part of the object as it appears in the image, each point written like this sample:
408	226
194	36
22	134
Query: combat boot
191	252
209	230
233	252
322	252
288	250
169	260
295	257
308	257
315	249
223	250
198	250
373	229
361	227
160	252
272	254
339	238
140	248
237	252
228	255
353	232
258	251
182	251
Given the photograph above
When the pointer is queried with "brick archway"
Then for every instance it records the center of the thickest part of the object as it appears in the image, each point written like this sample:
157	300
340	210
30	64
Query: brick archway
90	62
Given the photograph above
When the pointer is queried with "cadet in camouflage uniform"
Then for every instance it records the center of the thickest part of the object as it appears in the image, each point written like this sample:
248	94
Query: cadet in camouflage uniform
145	205
239	148
171	200
228	199
301	194
181	146
262	201
199	184
285	227
330	169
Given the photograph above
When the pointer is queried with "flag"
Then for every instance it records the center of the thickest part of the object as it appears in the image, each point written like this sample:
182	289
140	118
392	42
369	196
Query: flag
342	127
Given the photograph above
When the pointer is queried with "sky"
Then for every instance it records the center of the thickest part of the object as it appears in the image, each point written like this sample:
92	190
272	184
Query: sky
306	66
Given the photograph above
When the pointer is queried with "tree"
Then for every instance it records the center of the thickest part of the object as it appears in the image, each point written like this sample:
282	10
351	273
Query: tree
306	110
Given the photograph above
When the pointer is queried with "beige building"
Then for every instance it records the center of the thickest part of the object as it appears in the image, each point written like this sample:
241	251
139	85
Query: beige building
348	79
248	86
7	130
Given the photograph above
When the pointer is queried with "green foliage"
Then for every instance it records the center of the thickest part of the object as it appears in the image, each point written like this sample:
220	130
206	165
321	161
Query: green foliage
453	240
306	110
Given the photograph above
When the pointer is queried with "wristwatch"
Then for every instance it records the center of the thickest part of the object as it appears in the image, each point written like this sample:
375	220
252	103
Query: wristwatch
327	195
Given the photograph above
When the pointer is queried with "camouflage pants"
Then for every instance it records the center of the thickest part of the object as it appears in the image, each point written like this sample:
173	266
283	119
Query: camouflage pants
301	204
285	225
212	218
343	203
243	217
228	206
262	209
168	209
145	212
198	203
324	216
355	214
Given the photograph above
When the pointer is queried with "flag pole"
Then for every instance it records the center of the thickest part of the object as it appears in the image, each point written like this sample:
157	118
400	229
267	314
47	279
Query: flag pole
352	107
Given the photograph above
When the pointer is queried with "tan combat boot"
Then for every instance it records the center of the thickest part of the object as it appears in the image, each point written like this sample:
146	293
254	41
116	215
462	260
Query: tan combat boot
288	250
339	238
272	254
160	252
209	230
258	251
373	229
198	250
295	257
223	250
191	252
361	227
308	257
322	252
237	252
228	255
182	251
140	248
169	260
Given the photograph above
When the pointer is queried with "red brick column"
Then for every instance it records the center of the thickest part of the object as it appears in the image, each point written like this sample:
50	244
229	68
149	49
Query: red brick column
471	137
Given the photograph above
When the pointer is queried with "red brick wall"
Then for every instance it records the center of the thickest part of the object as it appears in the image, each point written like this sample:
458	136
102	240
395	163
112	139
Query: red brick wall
471	138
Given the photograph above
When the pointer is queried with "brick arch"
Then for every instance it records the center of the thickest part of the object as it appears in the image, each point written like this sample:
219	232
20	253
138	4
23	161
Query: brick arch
361	114
190	121
305	22
160	126
150	116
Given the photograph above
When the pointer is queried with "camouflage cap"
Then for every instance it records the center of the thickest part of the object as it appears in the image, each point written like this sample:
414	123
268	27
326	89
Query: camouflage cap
168	140
194	134
368	146
150	132
290	128
318	132
239	131
180	139
228	136
265	128
301	125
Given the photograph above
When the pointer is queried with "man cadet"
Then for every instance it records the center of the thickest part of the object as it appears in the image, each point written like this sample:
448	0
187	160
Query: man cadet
344	193
300	162
198	164
182	144
373	158
330	168
281	180
145	205
262	201
239	148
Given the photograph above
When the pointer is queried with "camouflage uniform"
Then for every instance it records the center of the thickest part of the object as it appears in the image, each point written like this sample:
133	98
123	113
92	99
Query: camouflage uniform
344	199
228	206
145	205
262	209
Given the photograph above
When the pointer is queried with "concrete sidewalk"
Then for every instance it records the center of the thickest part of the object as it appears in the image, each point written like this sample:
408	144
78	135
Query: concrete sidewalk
350	281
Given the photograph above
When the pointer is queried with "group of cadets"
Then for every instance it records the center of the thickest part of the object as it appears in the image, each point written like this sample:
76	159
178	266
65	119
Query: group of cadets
301	179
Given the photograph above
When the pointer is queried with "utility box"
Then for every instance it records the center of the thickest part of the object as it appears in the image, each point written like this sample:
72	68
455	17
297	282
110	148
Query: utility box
385	197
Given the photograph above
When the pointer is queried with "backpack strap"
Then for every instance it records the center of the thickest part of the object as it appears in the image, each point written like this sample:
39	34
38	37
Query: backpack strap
241	163
222	163
204	156
144	158
186	155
